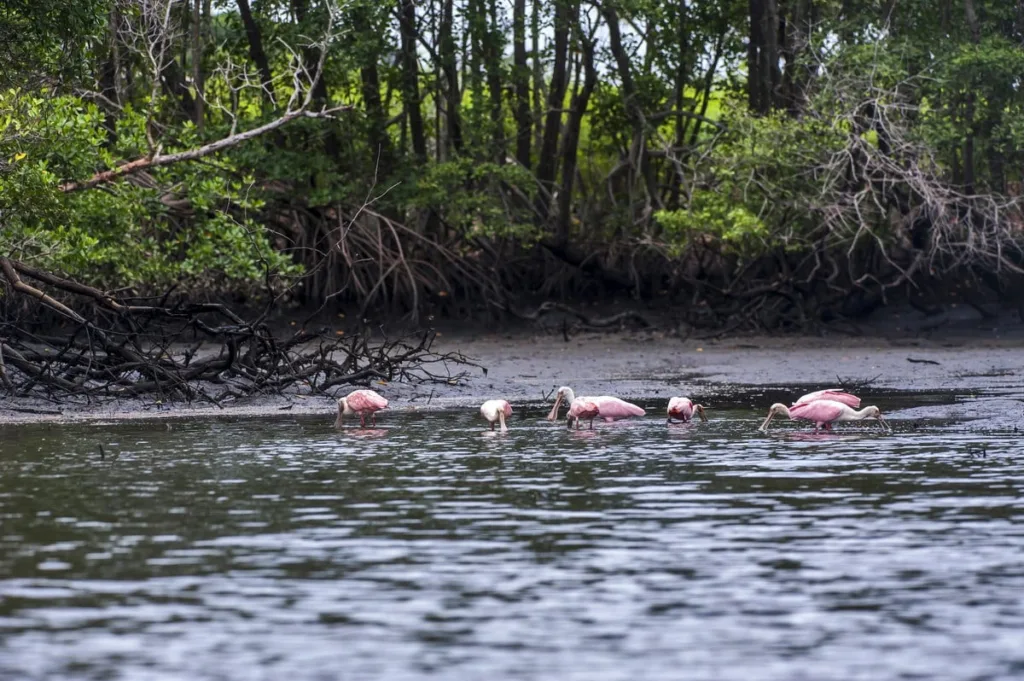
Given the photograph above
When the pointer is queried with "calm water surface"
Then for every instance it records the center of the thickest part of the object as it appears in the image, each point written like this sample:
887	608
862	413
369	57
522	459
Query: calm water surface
281	549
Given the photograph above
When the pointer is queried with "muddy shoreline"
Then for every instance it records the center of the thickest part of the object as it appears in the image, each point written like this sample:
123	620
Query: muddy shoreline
981	365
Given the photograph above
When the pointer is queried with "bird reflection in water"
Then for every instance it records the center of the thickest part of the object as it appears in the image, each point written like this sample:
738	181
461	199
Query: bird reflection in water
366	432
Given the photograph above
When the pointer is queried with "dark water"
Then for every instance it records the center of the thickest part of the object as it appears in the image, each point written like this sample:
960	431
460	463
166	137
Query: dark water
280	549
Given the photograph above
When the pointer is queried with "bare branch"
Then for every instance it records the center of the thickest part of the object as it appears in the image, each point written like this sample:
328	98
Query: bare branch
193	154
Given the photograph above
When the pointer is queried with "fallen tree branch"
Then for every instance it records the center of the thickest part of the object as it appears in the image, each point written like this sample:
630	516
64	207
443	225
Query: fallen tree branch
159	159
105	351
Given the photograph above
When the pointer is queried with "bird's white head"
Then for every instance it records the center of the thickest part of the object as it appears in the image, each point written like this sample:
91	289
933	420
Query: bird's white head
876	413
343	409
566	395
777	409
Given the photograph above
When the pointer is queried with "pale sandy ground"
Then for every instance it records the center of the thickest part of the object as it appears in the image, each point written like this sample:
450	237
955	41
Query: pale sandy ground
979	374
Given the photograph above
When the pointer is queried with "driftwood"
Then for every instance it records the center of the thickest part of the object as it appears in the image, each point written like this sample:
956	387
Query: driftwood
111	346
613	321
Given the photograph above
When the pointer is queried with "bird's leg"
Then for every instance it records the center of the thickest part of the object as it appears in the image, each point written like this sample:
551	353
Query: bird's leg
373	418
492	425
591	424
362	420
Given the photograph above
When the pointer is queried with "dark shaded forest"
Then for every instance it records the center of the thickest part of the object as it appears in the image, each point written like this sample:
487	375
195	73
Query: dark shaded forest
764	164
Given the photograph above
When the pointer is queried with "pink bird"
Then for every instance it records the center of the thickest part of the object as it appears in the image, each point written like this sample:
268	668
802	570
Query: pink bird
362	402
823	413
609	408
496	411
683	408
582	409
834	394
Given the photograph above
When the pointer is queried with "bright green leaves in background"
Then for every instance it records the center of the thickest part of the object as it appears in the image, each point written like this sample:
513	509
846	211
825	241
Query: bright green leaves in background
193	224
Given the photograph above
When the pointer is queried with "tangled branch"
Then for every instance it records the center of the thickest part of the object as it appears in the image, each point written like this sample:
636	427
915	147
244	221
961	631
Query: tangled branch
185	351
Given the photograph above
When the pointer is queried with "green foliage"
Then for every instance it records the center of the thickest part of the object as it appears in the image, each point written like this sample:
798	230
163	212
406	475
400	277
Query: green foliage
466	196
716	214
128	234
79	97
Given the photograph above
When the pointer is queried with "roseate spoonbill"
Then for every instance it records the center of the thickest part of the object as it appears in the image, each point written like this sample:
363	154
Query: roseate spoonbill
683	408
362	402
834	394
823	413
582	409
609	408
496	411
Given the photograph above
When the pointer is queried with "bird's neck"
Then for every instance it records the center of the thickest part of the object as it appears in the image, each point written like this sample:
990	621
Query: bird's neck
569	396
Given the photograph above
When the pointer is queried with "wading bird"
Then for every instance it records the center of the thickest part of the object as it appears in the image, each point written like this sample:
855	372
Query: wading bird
683	409
609	408
823	413
496	411
582	409
362	402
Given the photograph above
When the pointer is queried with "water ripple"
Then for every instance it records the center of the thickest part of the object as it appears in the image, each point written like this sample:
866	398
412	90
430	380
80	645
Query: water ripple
431	546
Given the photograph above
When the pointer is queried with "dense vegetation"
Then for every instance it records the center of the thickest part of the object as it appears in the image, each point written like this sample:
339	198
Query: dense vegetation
759	162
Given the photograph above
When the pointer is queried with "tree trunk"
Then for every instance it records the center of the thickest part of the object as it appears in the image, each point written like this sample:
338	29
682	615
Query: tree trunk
197	63
547	165
681	123
173	81
570	144
377	134
109	70
449	67
521	83
639	156
971	16
494	46
771	73
256	53
756	95
376	121
797	75
538	77
411	78
311	59
709	82
763	73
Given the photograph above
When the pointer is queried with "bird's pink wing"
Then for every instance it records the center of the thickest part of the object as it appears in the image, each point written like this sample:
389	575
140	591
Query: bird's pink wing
681	405
614	408
366	400
819	411
834	394
583	408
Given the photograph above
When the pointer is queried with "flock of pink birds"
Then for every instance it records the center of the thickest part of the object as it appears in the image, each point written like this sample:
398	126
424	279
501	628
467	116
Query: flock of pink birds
822	408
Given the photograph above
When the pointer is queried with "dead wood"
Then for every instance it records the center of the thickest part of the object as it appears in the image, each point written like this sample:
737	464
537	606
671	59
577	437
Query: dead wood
618	320
107	347
160	159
